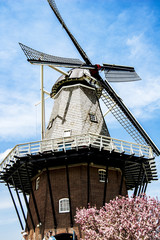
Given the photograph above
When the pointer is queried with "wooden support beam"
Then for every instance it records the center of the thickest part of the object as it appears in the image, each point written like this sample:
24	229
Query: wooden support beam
142	179
121	184
25	199
105	185
51	198
33	197
14	203
20	203
144	182
145	187
136	187
88	183
69	194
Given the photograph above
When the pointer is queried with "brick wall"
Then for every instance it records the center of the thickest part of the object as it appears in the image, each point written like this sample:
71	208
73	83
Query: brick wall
78	188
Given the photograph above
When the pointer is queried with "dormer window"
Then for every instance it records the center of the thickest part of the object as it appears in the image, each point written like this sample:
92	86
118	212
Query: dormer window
93	117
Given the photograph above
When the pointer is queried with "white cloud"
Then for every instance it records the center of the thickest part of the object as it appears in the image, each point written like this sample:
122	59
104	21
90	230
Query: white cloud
143	98
137	46
18	114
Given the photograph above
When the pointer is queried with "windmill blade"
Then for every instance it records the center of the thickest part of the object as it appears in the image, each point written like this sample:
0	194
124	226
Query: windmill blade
117	67
36	57
125	117
117	73
121	76
58	15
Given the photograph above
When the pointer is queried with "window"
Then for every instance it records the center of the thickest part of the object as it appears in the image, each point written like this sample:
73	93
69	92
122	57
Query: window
67	133
102	175
37	183
93	117
64	205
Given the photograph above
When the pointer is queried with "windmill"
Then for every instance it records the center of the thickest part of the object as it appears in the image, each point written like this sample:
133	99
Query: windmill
77	161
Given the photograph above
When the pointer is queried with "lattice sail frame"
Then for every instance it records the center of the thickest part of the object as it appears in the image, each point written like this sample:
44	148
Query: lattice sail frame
34	56
121	117
125	117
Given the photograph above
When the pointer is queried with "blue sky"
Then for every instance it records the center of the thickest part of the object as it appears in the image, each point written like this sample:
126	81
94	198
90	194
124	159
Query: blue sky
110	31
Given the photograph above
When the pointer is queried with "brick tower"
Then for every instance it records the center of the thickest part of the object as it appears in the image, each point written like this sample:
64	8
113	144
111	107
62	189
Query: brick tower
77	162
74	166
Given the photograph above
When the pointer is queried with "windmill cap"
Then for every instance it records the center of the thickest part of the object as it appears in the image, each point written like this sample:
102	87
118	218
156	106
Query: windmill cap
75	75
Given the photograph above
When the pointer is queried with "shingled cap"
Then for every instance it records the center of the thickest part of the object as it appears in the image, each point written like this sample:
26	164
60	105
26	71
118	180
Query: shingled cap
74	76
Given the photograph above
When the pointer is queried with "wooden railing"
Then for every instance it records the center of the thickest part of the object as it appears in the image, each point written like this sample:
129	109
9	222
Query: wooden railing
76	142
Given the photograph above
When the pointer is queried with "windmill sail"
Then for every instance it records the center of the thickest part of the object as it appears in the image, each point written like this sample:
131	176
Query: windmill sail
121	76
118	73
125	117
37	57
58	15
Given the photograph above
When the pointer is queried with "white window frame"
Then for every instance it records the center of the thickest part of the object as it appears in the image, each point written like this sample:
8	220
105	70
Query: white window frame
102	175
67	133
64	205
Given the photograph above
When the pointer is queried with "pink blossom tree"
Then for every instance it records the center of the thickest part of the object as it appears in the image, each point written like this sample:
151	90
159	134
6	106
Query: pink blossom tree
122	218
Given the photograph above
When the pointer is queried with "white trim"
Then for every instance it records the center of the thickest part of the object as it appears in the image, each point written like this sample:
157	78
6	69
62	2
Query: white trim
100	174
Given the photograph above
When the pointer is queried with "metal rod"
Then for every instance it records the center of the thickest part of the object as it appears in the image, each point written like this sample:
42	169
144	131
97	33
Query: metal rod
33	197
51	198
42	104
105	185
20	203
15	206
69	194
25	199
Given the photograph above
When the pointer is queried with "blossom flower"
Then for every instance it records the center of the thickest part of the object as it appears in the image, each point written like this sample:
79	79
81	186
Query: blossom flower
122	218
